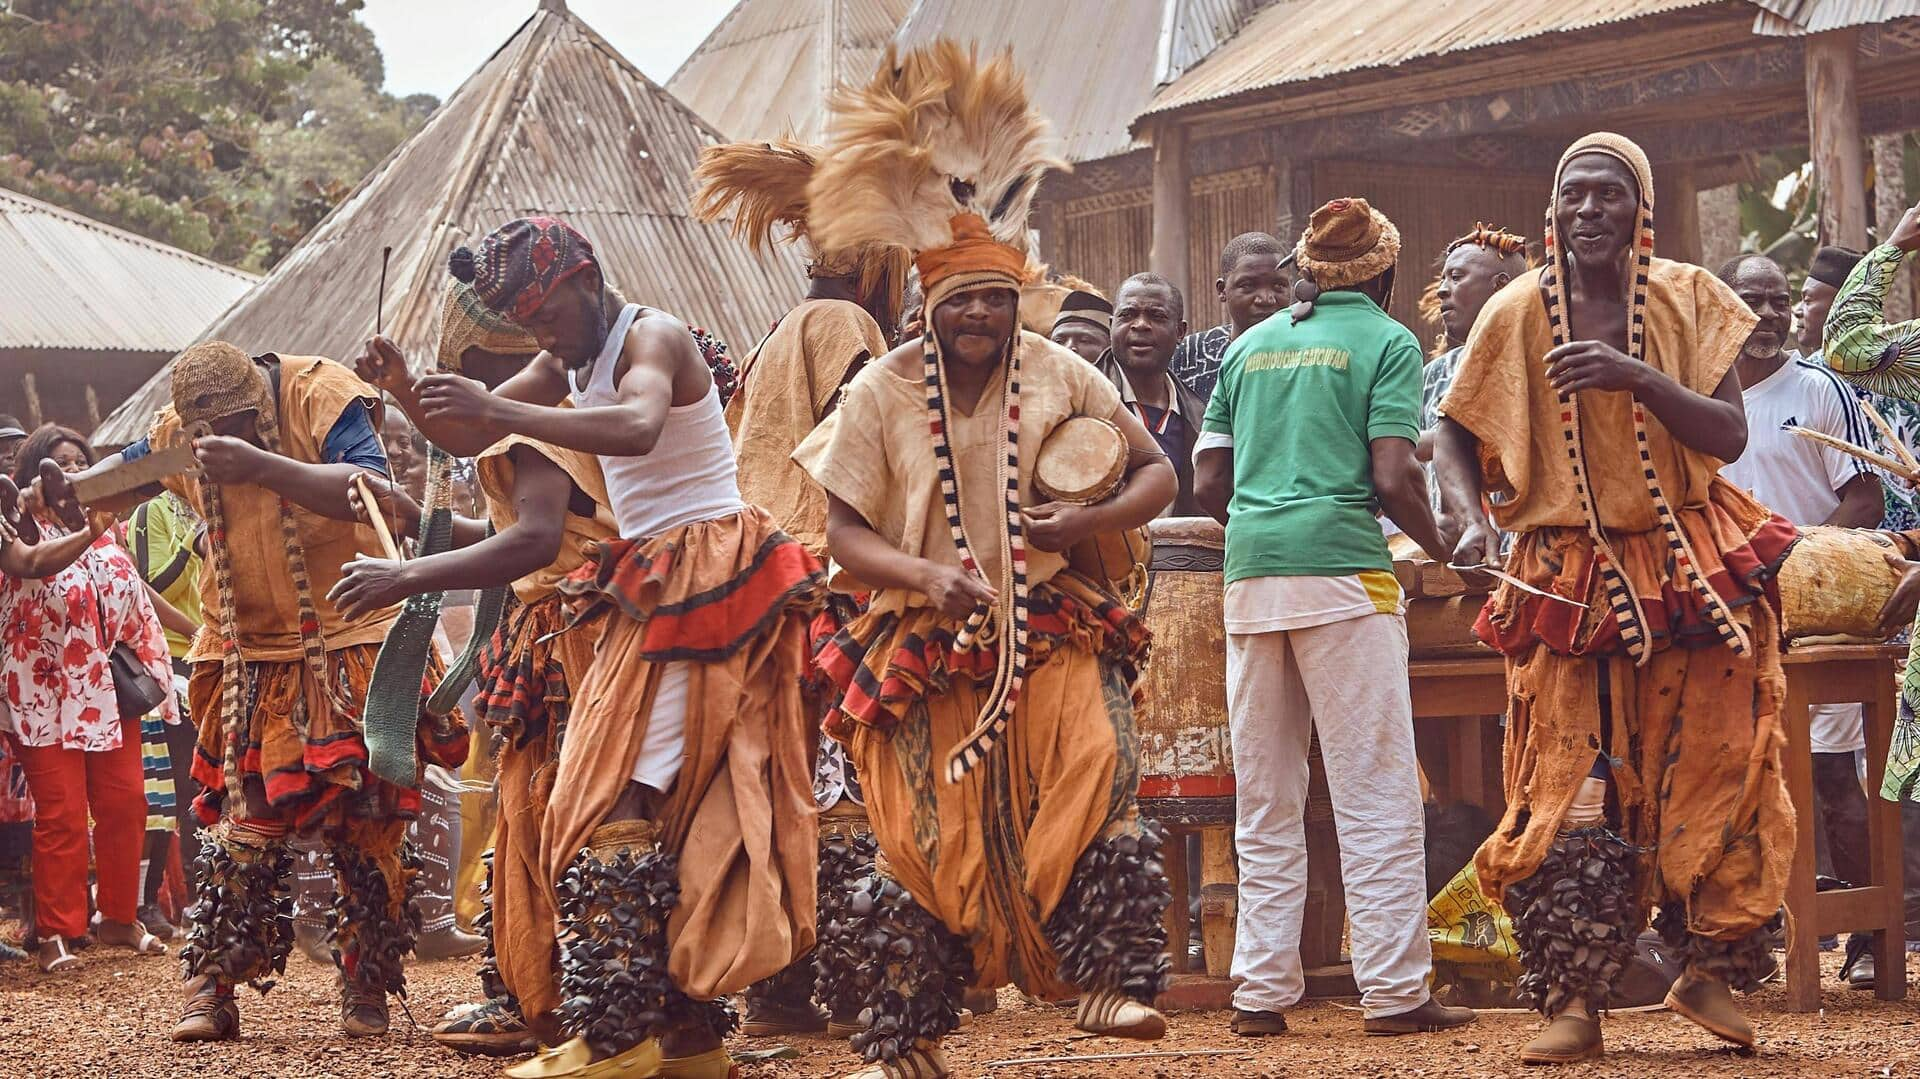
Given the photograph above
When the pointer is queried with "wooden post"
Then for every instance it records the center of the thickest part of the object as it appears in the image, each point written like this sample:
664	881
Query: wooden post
1293	183
1833	116
1219	898
32	390
1171	196
93	409
1677	214
1720	233
1889	204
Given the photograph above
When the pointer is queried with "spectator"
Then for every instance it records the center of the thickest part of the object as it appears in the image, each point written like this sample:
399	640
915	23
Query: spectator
1252	285
11	436
1149	320
81	756
167	539
1082	325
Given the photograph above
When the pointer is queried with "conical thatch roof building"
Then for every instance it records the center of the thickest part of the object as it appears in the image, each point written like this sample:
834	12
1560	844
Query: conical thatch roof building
555	122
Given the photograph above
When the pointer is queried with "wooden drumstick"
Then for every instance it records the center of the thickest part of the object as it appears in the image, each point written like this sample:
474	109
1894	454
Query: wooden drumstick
1899	468
379	518
1898	447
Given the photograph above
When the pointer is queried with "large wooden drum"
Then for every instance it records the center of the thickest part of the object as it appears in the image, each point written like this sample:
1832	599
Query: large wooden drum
1185	751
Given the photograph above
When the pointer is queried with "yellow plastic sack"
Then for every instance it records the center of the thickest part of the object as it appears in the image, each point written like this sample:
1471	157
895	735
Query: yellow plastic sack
1472	937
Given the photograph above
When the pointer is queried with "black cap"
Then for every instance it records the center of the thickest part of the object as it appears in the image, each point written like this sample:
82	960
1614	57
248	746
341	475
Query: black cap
1084	306
1831	265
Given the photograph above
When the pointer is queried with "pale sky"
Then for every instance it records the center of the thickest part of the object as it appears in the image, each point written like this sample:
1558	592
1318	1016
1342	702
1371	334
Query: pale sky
433	45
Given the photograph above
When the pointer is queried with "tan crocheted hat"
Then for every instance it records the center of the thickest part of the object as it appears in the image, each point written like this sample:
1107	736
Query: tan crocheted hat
1347	242
213	380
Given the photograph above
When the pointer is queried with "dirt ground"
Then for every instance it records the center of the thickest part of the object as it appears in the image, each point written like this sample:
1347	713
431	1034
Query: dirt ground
110	1020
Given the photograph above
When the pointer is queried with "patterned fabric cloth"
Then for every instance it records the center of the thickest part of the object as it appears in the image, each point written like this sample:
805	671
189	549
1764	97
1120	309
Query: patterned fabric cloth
1435	379
520	263
1196	359
1885	359
156	768
55	686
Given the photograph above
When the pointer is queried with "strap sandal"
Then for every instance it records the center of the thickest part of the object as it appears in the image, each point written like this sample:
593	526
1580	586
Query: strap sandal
133	938
1104	1011
55	956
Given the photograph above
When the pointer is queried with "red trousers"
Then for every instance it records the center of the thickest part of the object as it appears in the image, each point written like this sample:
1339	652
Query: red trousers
69	785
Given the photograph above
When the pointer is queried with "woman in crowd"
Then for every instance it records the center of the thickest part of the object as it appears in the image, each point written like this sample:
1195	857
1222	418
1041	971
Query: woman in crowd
62	618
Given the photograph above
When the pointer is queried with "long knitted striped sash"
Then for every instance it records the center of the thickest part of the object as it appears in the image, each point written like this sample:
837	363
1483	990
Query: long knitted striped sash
313	650
392	714
1004	626
1625	605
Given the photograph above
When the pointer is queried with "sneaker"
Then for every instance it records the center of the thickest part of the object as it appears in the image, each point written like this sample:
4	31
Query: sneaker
1258	1024
156	922
1426	1019
210	1014
1104	1011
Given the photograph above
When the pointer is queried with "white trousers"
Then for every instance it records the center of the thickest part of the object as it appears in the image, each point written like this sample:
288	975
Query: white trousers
664	749
1348	680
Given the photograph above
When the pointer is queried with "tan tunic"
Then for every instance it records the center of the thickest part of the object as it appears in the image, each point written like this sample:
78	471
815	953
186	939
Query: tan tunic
313	393
1501	394
787	388
582	534
875	453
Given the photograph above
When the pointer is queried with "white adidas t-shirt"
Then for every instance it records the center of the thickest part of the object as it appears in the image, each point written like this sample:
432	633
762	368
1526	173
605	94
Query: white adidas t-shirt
1800	480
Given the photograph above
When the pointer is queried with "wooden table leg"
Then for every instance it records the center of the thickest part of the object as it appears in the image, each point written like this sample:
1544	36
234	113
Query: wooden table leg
1176	918
1219	899
1803	943
1885	843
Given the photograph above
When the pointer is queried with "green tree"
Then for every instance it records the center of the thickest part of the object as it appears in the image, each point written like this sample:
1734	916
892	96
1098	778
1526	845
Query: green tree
153	115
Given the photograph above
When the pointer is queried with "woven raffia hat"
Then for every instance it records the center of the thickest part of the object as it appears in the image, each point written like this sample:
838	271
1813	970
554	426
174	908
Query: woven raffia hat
1347	242
213	380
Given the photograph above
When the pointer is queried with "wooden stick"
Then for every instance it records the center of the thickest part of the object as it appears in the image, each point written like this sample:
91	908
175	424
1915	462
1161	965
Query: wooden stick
1898	468
1898	447
1160	1054
377	516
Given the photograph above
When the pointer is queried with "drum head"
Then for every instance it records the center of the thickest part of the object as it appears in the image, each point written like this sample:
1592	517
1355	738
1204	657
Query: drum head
1188	532
1081	461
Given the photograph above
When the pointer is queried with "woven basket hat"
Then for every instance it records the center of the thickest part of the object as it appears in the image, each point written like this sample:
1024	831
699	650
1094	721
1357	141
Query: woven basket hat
213	380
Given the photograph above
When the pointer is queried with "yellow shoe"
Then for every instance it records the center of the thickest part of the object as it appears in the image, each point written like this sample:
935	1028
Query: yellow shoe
574	1060
712	1064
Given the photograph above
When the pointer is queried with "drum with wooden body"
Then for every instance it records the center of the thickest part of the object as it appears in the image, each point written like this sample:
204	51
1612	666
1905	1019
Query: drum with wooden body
1186	749
1834	582
1083	461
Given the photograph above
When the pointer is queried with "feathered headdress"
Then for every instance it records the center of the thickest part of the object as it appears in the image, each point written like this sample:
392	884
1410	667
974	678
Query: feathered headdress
940	154
762	186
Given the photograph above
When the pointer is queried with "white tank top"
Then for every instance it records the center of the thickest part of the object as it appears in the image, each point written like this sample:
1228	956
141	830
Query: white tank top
690	474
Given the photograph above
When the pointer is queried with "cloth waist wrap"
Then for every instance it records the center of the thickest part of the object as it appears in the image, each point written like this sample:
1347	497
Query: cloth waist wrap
733	596
1693	738
991	854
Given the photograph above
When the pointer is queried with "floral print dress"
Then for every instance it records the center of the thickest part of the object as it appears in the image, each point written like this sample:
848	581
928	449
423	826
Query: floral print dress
55	684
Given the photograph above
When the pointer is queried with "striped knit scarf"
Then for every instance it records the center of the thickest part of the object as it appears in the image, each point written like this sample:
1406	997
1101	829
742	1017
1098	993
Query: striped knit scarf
233	674
1626	607
1004	625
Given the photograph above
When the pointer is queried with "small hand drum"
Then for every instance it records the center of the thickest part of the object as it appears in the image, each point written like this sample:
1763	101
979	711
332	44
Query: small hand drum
1082	461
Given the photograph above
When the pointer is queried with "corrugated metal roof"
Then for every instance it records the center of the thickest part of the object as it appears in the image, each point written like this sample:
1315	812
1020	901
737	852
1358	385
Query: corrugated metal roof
1296	41
72	282
555	122
766	70
1091	65
1793	17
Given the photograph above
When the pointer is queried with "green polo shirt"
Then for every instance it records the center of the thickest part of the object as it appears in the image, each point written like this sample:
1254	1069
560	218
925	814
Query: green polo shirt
1300	405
